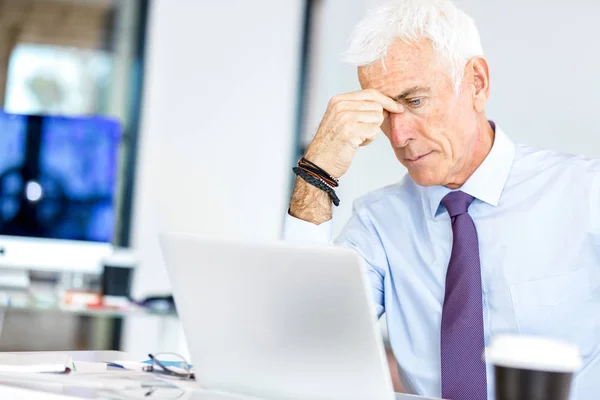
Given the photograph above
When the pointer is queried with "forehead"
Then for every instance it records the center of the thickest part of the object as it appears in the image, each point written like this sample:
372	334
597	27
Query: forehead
405	65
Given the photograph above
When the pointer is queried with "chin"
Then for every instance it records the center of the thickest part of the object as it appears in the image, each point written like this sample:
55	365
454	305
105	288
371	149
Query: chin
424	179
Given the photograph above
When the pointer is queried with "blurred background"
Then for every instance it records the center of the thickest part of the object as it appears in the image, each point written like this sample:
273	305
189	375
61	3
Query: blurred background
126	118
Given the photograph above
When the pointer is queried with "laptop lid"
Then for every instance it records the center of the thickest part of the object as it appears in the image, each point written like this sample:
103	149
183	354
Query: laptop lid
278	321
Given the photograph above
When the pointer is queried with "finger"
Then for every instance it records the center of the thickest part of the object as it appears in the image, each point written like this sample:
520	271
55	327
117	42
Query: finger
367	117
359	132
373	95
373	132
358	105
367	142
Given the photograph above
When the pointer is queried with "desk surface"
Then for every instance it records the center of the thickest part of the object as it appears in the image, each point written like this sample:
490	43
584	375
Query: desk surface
91	356
187	390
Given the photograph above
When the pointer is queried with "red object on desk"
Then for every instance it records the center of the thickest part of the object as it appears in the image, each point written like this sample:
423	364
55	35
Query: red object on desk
81	298
102	307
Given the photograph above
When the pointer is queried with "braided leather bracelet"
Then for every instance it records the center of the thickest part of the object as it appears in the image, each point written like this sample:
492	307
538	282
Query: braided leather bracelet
318	183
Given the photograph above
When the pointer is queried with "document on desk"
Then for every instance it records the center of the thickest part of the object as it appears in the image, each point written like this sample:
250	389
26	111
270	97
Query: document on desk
30	362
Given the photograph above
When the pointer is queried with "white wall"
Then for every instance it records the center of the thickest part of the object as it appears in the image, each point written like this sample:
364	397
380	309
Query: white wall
545	67
375	165
218	125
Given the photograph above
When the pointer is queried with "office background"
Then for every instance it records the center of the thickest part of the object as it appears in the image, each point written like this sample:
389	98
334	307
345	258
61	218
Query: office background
72	58
233	90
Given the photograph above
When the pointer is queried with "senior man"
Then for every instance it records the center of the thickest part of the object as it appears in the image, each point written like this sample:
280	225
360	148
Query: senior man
482	236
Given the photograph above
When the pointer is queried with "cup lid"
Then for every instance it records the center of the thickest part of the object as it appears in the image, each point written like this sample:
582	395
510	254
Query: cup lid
533	352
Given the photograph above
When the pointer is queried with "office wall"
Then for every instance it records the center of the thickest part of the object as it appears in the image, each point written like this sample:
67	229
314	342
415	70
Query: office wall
217	131
545	67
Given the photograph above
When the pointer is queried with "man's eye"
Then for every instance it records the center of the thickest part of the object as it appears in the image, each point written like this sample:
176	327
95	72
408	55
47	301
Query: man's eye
415	102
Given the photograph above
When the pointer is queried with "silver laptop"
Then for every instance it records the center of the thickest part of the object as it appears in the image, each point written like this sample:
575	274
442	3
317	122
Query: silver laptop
278	321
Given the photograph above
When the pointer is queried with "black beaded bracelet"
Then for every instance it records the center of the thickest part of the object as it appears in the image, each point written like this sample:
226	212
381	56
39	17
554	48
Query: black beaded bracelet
318	183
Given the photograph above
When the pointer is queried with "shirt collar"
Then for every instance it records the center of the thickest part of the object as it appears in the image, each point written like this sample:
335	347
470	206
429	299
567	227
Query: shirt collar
488	180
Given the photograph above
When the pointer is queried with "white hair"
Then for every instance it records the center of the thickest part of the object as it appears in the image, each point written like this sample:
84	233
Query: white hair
451	31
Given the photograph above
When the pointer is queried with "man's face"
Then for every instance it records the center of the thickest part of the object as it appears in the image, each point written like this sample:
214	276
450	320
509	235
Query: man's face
436	135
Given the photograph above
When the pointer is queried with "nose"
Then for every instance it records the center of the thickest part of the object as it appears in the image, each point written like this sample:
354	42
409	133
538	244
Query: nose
401	130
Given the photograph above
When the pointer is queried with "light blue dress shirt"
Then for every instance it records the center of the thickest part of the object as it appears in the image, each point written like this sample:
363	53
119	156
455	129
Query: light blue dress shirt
537	215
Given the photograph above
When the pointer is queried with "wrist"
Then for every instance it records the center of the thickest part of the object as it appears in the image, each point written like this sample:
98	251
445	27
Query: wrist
310	203
320	160
316	176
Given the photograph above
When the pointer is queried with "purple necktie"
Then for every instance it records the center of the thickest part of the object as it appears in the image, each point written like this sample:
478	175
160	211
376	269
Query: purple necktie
462	342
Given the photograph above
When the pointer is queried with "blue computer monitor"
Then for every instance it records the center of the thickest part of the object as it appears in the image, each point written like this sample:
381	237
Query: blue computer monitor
58	179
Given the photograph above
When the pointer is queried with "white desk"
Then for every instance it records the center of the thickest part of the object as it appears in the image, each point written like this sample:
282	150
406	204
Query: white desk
94	356
188	390
19	393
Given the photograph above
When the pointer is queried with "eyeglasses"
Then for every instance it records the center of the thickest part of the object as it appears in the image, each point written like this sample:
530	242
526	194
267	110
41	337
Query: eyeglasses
152	393
170	364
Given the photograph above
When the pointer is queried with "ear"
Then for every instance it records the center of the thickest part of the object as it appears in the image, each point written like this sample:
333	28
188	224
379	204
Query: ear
479	74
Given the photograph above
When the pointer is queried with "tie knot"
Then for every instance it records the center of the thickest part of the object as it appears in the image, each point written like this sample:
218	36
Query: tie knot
457	202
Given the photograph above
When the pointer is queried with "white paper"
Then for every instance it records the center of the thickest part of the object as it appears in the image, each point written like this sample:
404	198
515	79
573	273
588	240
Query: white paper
87	367
30	362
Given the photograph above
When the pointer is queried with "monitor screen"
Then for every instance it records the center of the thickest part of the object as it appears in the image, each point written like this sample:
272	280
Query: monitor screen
58	176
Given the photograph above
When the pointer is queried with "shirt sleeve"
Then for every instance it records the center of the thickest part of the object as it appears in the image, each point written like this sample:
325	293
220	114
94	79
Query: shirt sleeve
595	203
361	235
299	231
